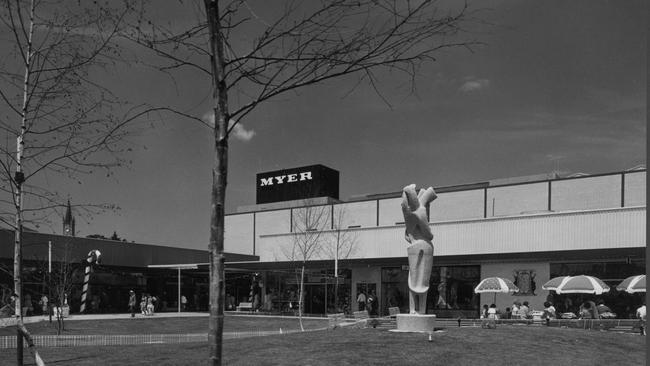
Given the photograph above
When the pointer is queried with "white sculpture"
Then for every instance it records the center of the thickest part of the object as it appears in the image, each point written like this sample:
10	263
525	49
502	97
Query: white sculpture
415	208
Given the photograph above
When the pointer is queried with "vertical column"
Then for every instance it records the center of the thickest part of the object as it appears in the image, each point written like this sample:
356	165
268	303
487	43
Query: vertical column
622	189
179	289
484	202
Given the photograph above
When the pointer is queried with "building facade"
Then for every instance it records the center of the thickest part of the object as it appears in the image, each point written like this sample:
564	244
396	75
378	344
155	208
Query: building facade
526	229
56	263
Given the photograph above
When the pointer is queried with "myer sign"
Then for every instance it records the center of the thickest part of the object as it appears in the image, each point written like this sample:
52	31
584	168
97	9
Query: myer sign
297	183
281	179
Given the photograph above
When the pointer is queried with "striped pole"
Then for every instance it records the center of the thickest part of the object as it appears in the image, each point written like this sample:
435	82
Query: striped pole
93	257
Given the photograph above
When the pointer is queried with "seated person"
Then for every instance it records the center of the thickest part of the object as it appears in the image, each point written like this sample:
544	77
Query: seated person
524	311
549	311
641	315
588	310
604	311
492	316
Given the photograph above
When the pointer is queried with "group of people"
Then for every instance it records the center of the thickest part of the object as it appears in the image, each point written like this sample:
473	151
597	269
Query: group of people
368	302
519	310
588	310
147	303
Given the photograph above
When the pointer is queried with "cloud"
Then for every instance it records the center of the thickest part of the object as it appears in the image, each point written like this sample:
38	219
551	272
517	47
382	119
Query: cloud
474	85
239	131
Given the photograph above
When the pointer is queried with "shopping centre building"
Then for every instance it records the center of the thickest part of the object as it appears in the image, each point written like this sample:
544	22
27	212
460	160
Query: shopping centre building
526	229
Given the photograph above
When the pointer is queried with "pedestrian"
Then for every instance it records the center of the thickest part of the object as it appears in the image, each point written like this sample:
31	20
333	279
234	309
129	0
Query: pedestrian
28	307
184	302
361	300
143	304
43	302
132	303
150	307
371	303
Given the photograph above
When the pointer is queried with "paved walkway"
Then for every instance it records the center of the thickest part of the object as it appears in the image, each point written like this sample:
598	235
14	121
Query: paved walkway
38	318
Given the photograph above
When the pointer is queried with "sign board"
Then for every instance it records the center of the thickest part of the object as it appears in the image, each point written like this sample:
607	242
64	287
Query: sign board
297	183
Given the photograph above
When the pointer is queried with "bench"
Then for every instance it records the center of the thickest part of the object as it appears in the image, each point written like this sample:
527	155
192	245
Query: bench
393	311
245	306
334	320
361	317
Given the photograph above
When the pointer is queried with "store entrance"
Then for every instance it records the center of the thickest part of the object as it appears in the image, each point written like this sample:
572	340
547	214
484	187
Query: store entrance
315	299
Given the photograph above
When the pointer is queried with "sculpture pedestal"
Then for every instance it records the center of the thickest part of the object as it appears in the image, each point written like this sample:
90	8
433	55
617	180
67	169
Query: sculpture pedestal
416	323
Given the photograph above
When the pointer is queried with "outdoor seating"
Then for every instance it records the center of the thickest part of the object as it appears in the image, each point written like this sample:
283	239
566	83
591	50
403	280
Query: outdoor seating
245	306
537	317
393	311
361	317
334	320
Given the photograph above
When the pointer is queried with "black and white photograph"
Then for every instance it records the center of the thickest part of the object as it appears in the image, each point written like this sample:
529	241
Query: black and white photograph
331	182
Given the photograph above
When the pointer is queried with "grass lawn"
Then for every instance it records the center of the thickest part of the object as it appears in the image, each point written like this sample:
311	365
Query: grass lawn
506	345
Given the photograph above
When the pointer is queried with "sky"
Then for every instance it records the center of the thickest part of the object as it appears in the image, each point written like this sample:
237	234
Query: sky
558	85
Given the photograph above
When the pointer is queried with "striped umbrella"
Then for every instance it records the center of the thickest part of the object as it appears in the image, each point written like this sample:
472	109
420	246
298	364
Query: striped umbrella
555	282
582	285
496	285
632	284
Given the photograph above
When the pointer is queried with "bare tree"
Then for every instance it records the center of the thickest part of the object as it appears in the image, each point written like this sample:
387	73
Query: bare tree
308	228
342	244
252	54
58	118
60	279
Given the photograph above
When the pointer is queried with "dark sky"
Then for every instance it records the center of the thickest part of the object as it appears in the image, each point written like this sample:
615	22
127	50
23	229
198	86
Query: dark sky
557	85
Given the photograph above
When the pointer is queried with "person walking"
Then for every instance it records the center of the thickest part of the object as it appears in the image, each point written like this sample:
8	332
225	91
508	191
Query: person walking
150	307
143	304
132	303
361	300
43	302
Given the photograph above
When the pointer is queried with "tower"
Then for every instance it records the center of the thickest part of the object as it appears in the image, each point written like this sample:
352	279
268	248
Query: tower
68	222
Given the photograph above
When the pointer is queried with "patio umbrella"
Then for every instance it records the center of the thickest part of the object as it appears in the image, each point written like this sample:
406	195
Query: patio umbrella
632	284
496	285
582	285
555	282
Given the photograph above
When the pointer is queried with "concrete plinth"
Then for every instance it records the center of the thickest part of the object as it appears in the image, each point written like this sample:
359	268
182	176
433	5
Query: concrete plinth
415	323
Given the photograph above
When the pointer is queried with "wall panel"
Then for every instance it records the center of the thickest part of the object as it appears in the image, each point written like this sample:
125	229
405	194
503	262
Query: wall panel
457	205
586	193
390	211
272	222
635	189
362	214
238	234
517	199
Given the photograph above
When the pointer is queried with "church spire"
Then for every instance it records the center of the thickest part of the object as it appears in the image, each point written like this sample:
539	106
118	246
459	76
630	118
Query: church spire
68	221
